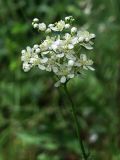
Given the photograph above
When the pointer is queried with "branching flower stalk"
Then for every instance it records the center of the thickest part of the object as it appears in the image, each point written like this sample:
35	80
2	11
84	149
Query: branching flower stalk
64	53
85	154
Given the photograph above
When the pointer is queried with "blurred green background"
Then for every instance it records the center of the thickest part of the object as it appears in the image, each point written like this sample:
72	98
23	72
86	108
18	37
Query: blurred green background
35	119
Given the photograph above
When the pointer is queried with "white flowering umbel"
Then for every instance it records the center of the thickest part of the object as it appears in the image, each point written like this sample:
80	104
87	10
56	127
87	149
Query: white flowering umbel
61	52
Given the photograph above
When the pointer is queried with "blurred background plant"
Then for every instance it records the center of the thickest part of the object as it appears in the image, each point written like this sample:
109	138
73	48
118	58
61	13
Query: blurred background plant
35	123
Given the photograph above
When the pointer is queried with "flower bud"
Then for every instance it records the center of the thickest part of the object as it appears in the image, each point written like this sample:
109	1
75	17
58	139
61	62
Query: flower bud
35	20
67	26
42	26
73	30
35	25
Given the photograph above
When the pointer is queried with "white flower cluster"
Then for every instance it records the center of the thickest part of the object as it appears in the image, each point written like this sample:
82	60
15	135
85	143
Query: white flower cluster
62	50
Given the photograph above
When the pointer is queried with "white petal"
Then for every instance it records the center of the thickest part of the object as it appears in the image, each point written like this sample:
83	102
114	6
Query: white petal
29	49
54	28
70	46
81	39
41	67
35	46
32	60
87	46
73	30
54	47
91	68
48	68
60	55
23	58
55	69
26	67
83	57
50	25
71	75
84	67
92	35
44	60
63	79
37	50
74	40
67	26
57	84
70	63
35	20
45	52
87	39
93	137
23	51
35	25
48	30
67	36
70	56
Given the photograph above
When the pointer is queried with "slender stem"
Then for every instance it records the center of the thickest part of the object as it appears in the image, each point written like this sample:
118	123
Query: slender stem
77	126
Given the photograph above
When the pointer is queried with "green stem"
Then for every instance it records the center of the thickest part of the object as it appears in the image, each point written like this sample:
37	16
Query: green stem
77	126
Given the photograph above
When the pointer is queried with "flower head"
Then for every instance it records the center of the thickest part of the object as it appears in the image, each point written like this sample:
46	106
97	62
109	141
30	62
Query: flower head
60	53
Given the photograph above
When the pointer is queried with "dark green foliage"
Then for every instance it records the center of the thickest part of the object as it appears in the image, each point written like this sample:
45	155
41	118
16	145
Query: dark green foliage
35	119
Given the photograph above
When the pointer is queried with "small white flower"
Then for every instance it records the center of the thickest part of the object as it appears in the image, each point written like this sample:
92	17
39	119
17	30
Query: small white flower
59	53
60	25
42	26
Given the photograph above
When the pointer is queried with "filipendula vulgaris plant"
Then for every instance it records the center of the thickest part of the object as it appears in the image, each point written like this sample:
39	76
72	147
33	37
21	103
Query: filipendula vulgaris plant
61	53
